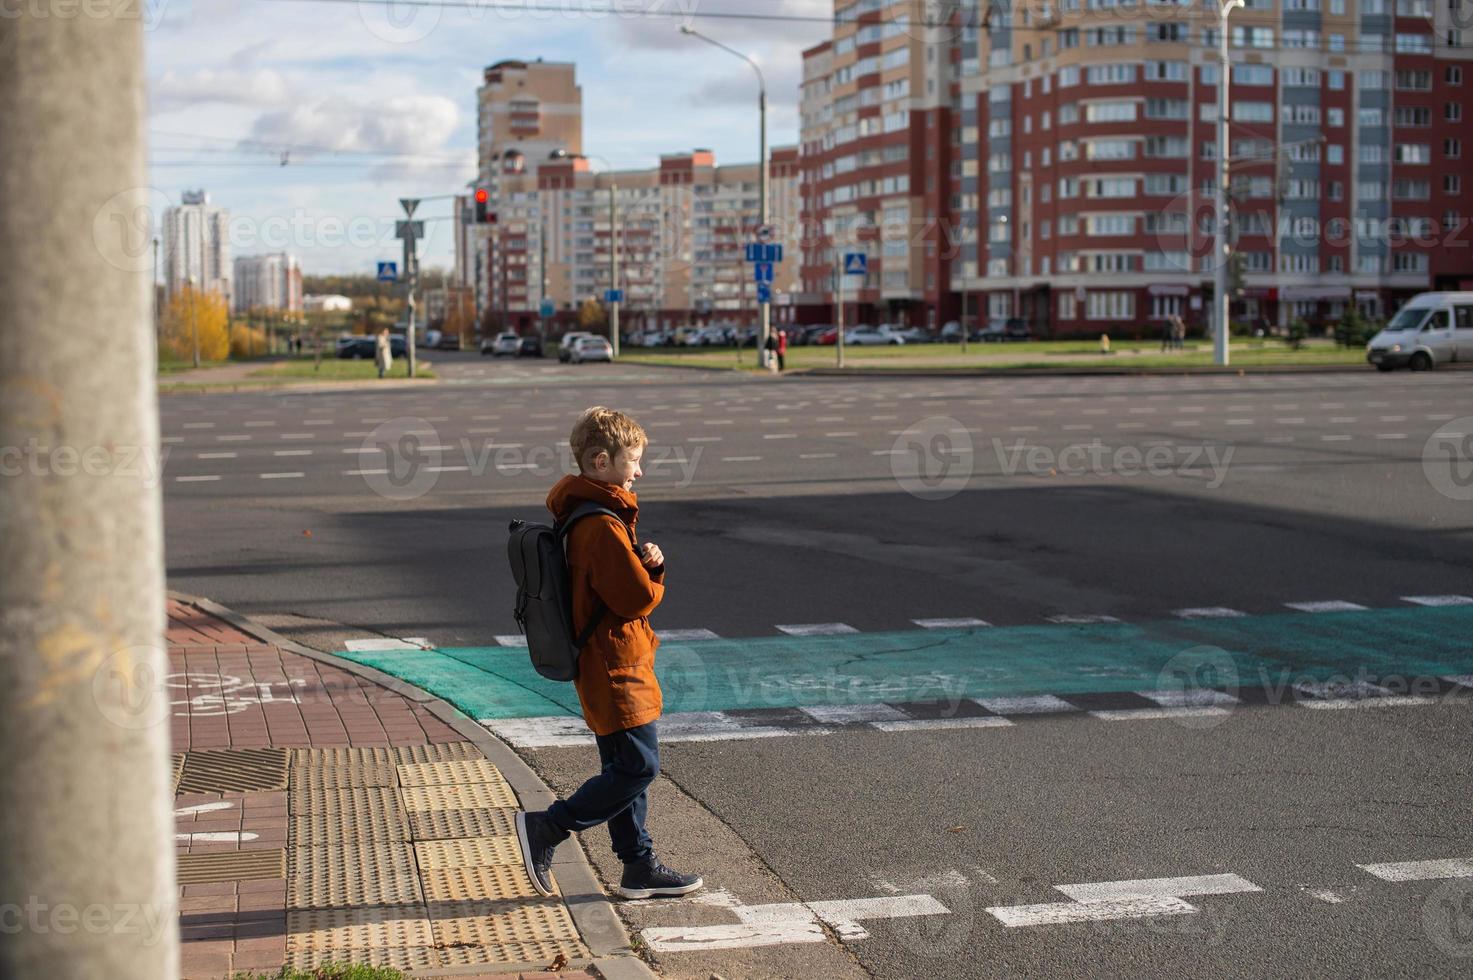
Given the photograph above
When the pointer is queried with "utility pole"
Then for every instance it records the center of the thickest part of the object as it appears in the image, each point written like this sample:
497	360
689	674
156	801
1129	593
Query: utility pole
193	324
85	777
542	271
964	316
614	266
1220	298
839	336
410	230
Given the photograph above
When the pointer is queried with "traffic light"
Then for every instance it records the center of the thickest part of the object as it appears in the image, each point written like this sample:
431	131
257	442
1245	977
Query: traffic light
484	215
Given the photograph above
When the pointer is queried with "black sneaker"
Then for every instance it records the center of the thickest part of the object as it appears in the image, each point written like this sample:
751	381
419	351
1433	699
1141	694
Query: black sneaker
650	878
539	837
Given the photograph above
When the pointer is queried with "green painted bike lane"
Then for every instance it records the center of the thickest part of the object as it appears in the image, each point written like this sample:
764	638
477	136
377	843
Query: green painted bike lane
1239	653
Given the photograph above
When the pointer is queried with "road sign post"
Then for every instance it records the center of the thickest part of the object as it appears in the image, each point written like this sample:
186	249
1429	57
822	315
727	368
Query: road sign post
854	264
410	231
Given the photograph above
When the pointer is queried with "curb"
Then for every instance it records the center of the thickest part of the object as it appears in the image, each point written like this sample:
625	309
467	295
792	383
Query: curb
590	907
1071	371
228	388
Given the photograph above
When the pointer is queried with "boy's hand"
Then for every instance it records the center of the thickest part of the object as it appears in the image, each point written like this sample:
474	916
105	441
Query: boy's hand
650	555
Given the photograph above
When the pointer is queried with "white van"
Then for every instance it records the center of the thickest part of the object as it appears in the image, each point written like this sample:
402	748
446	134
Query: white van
1431	329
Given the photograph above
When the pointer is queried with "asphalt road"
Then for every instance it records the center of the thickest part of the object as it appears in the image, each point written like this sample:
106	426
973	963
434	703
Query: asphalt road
1022	503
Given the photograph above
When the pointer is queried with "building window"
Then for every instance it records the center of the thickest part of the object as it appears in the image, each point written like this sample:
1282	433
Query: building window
1112	305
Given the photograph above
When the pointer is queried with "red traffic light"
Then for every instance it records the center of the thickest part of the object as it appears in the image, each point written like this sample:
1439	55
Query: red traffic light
482	196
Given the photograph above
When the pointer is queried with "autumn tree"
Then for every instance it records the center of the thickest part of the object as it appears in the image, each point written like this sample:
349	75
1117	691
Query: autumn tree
193	312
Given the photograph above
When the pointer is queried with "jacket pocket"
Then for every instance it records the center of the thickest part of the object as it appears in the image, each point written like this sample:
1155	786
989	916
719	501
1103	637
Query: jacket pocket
628	645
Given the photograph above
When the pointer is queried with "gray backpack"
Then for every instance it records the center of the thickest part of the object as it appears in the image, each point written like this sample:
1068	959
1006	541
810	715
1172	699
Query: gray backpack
544	609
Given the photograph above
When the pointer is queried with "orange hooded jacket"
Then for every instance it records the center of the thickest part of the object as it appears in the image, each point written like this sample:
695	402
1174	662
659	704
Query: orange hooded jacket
616	671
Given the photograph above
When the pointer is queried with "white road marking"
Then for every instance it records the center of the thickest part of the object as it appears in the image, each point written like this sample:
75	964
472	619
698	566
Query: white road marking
1241	422
216	455
1438	600
379	644
941	724
1099	891
364	472
219	837
816	629
682	636
717	421
1157	714
297	435
840	435
1189	697
318	421
291	452
848	714
1465	680
717	726
171	439
1084	620
510	640
1059	913
1383	701
703	438
199	425
818	455
1033	704
1340	689
889	452
195	479
962	622
1421	870
1340	438
1328	605
281	476
1207	612
779	435
236	438
791	922
1391	435
189	811
740	459
558	731
1323	894
259	425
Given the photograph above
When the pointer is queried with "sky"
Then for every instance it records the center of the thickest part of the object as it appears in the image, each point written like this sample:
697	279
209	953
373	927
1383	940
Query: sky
367	102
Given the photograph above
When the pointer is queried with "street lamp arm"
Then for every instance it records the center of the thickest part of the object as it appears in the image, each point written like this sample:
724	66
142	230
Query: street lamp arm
761	81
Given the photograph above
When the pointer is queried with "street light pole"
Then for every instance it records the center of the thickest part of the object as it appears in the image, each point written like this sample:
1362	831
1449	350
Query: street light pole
614	266
193	324
764	308
1220	288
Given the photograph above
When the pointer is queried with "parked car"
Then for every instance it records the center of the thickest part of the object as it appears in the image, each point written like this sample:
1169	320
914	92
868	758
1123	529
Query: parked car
565	345
867	336
591	348
828	337
531	346
1431	329
365	348
447	341
504	343
912	335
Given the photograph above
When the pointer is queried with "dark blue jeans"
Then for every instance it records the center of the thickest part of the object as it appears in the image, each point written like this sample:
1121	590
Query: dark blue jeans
619	794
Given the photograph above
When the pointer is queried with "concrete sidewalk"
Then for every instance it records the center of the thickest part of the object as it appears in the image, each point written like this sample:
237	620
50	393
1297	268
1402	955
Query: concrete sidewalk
323	816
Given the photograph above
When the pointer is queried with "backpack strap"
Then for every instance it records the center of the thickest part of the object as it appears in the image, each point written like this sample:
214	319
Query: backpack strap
562	528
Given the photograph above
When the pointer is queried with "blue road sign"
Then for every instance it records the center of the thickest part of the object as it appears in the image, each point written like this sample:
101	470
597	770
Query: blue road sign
388	272
758	252
546	308
762	271
613	295
856	264
764	292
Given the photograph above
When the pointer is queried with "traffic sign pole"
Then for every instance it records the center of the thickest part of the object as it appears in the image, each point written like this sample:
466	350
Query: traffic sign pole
614	266
839	339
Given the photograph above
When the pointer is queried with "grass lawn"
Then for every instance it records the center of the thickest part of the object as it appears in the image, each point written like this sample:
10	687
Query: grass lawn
340	369
1010	356
177	367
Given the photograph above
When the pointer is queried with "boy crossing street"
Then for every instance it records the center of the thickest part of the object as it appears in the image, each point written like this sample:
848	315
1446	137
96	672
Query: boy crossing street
616	583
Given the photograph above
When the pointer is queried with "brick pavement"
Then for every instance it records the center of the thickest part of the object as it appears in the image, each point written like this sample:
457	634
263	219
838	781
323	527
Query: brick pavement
242	712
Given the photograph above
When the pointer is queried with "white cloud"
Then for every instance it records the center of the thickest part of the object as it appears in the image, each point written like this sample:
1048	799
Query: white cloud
412	124
231	86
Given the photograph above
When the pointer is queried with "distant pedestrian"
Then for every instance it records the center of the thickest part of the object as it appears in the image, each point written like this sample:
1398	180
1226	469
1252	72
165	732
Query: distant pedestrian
383	353
770	348
782	351
1168	332
1178	331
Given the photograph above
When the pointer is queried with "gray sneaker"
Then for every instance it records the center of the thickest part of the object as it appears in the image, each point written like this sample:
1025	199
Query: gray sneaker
539	838
648	879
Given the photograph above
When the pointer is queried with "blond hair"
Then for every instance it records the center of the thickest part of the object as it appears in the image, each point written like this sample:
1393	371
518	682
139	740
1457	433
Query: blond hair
601	429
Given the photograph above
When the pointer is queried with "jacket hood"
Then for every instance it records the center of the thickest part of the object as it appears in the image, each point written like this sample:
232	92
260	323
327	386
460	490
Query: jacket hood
571	491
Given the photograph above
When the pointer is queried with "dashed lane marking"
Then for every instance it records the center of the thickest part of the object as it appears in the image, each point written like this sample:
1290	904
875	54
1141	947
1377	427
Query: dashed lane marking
1421	870
1327	605
1207	612
1061	913
964	622
676	636
816	629
1438	600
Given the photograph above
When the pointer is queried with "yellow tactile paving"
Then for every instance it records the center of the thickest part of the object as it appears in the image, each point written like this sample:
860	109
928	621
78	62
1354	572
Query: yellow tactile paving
471	852
500	924
323	777
460	797
360	928
449	773
339	890
477	884
395	957
355	856
324	828
479	822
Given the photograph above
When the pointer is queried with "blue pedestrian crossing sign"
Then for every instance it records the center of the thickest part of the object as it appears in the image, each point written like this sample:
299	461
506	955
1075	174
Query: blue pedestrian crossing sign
613	295
764	292
545	309
388	272
856	264
762	271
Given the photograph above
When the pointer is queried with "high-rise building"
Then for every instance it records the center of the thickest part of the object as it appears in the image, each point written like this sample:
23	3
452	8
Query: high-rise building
197	245
683	224
268	282
1062	162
